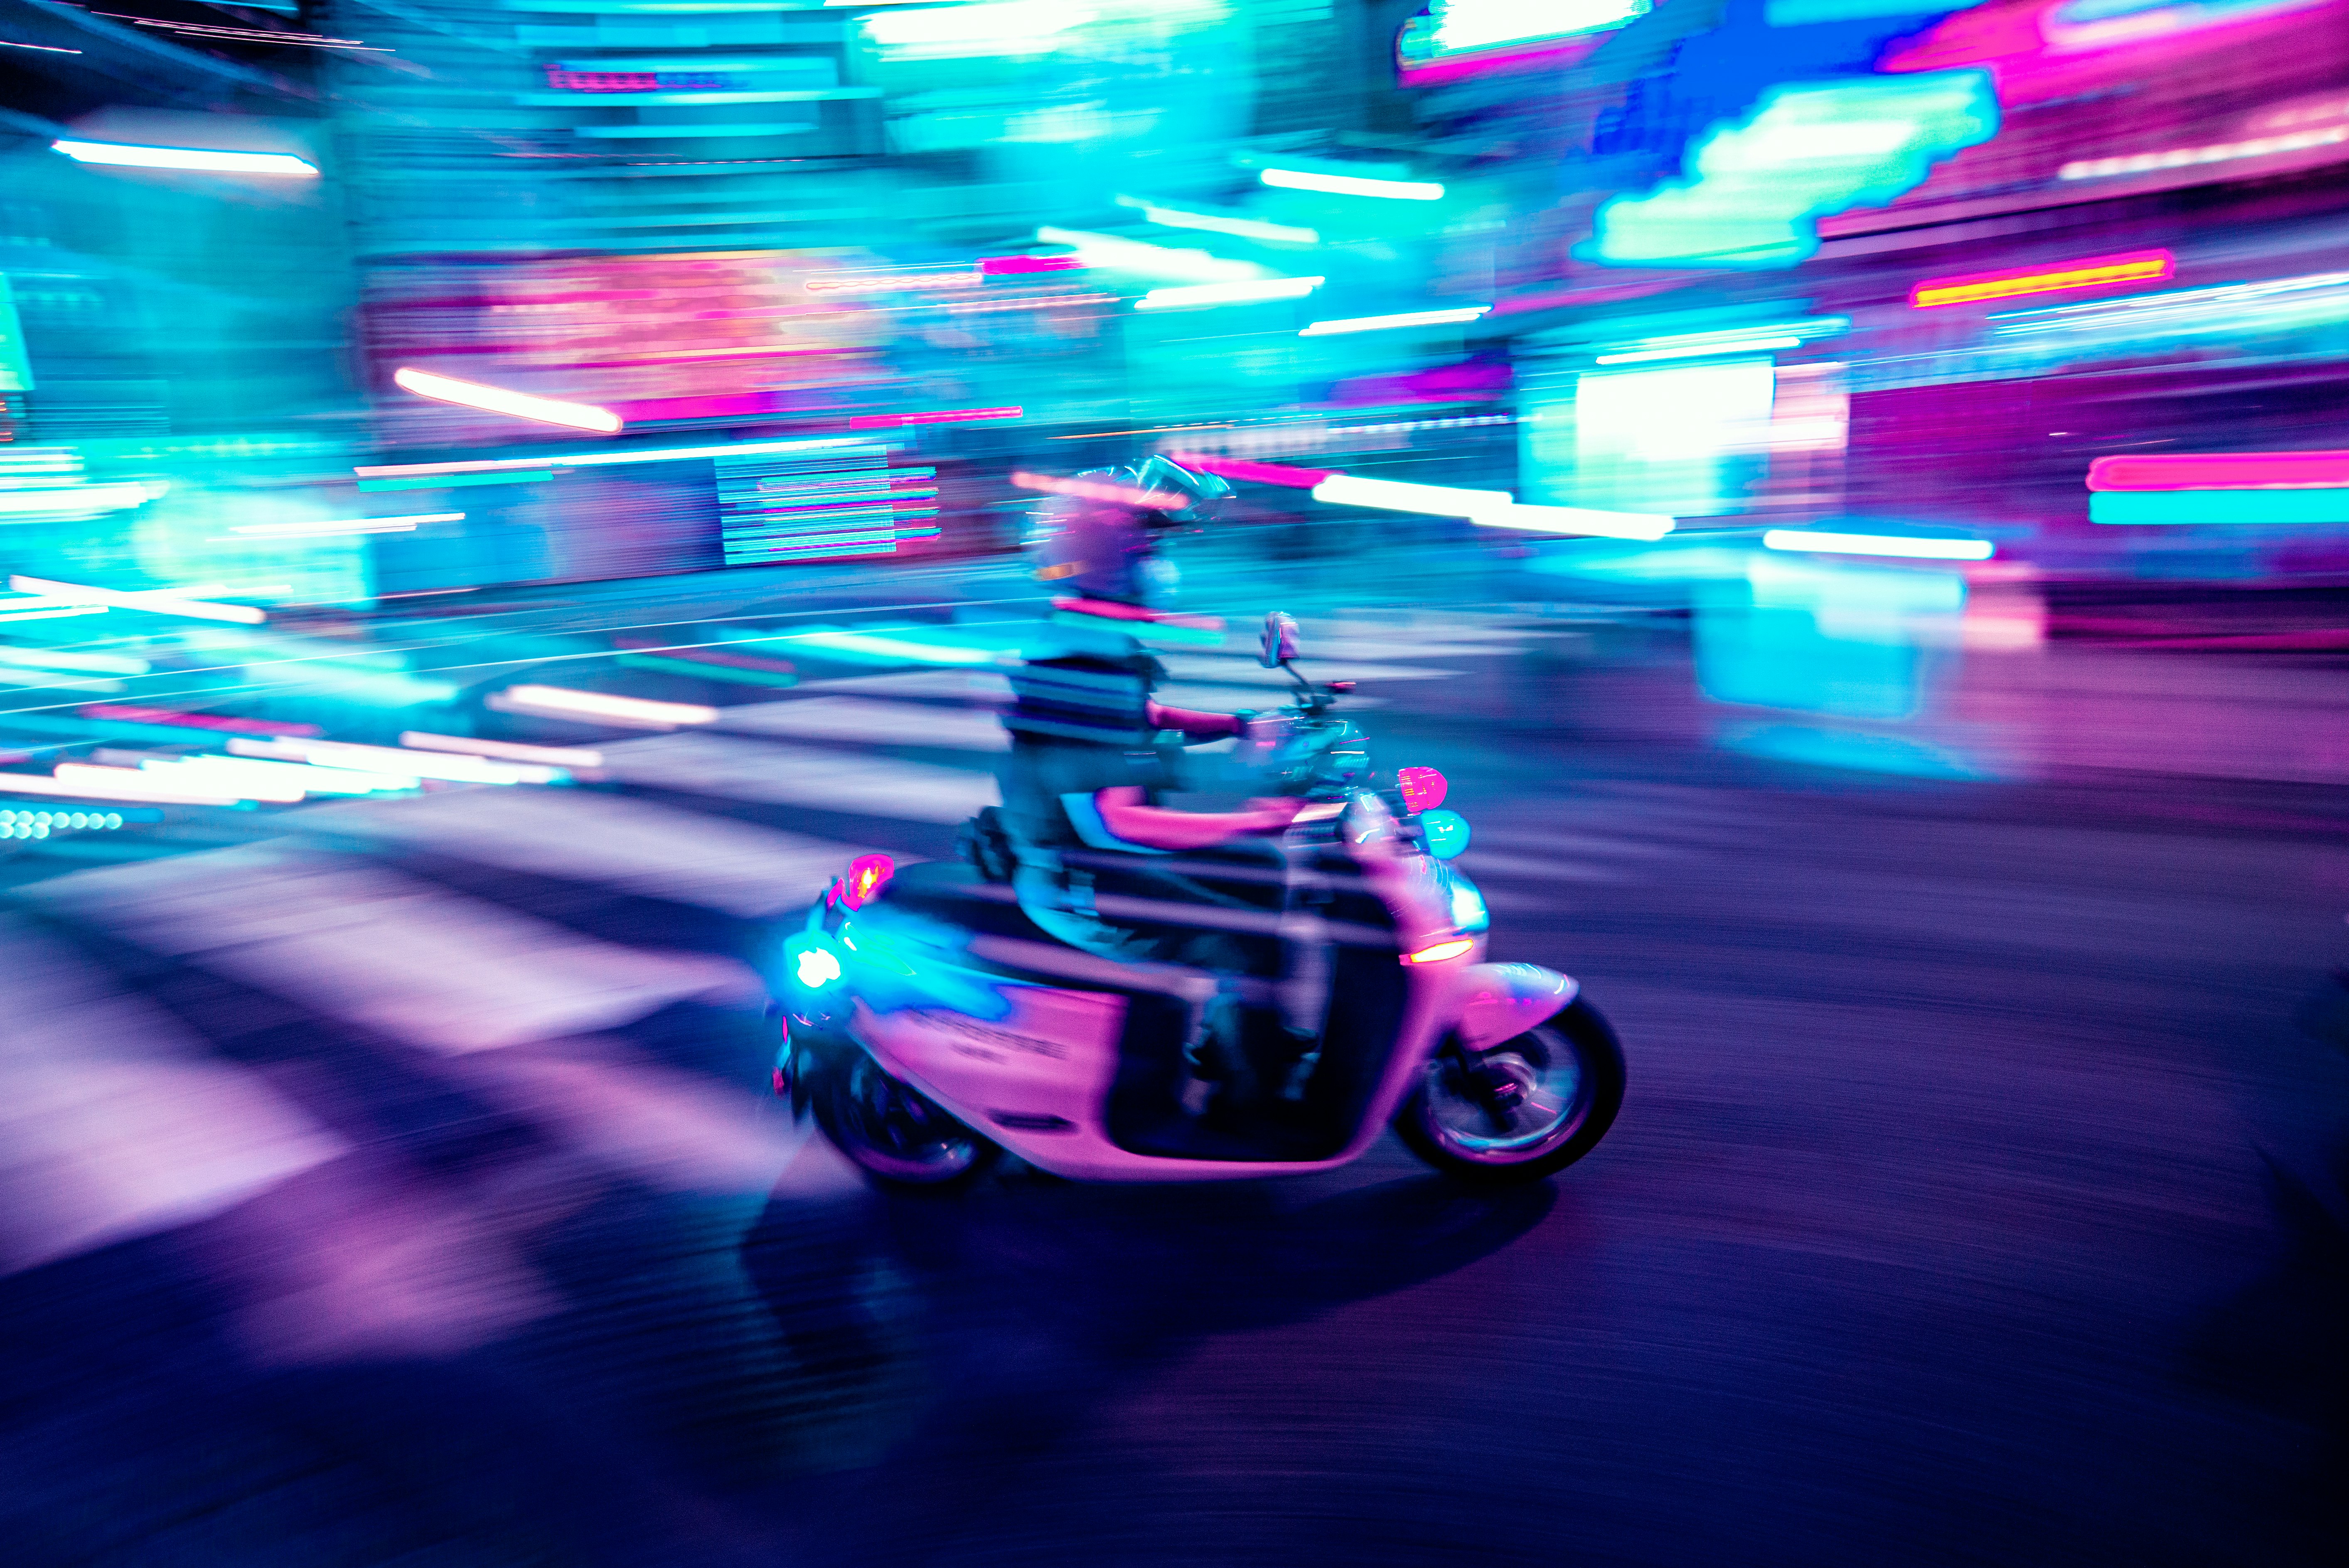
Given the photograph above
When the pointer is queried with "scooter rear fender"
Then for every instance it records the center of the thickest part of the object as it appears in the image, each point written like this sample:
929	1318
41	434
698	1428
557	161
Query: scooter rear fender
1501	1001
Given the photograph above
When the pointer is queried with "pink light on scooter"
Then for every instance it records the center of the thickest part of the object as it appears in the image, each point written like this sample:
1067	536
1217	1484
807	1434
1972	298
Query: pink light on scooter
1423	788
866	876
1440	951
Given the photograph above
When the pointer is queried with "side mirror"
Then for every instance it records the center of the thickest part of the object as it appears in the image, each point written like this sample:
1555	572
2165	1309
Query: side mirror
1280	644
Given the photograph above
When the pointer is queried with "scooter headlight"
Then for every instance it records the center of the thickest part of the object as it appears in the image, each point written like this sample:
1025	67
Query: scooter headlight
1466	904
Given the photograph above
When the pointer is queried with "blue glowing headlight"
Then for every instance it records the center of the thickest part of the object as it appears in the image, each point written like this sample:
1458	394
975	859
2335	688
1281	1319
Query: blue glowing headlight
1445	833
1467	905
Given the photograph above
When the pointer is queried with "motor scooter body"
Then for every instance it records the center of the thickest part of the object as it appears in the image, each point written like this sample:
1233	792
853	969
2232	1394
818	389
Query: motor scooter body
1079	1064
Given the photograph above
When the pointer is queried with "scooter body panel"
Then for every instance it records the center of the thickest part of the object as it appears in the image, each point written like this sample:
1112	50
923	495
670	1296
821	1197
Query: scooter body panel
1501	1001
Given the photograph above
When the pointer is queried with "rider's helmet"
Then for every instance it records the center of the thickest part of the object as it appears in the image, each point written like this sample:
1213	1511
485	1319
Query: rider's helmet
1101	541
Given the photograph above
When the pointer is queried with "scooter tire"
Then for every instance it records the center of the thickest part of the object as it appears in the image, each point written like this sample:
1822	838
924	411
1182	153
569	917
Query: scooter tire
899	1137
1430	1122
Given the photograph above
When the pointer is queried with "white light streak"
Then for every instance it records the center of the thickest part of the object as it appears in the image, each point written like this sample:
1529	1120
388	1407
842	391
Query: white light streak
1221	224
1577	520
1175	265
635	712
205	160
165	602
504	751
61	659
1905	545
2187	157
592	459
1353	185
1393	495
78	499
498	400
89	781
1703	350
335	527
1386	323
1194	295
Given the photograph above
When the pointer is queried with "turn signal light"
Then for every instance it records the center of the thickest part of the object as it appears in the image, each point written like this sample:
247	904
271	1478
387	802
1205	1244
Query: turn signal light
1440	951
1423	788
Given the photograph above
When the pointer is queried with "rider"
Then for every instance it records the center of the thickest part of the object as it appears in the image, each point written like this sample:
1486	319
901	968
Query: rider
1086	770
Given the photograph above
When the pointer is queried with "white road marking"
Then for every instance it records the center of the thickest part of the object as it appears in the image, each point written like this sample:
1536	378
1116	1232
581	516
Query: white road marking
365	944
738	770
609	839
112	1124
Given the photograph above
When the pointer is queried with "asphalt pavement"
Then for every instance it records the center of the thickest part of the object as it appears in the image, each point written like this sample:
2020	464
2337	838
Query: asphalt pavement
394	1181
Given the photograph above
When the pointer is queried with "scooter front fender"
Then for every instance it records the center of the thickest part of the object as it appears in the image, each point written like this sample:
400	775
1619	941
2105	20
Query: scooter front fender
1501	1001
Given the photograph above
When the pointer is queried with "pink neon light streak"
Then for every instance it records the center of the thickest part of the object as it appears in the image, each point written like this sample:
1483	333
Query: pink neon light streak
1255	473
2221	470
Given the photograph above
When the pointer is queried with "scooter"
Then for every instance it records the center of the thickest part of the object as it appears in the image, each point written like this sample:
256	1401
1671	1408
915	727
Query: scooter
930	1026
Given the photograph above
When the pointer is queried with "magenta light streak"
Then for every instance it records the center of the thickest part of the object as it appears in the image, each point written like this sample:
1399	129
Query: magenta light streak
1557	54
2221	470
996	266
1255	473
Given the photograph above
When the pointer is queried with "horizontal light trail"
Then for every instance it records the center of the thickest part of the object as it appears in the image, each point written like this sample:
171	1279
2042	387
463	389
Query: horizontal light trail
1177	264
1353	185
393	761
155	603
77	498
933	416
871	721
875	645
61	659
1097	489
1192	297
57	679
1221	224
1008	266
2222	472
635	712
1896	544
896	280
569	757
1389	322
1703	351
499	400
280	783
133	713
88	781
2215	152
37	610
1753	338
2301	505
36	48
1255	473
1393	495
250	35
1577	520
2012	283
605	459
199	159
347	525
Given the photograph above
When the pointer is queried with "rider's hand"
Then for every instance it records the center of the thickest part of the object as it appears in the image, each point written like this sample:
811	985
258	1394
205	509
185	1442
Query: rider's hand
1272	814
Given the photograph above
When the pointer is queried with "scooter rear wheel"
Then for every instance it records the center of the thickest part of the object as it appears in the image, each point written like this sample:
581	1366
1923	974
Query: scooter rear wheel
1521	1110
898	1135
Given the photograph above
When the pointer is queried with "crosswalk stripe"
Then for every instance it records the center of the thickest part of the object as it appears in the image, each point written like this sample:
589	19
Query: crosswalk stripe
112	1124
611	839
367	945
742	770
864	719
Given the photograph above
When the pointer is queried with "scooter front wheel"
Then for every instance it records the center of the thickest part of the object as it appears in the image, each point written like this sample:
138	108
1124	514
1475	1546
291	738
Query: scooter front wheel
894	1132
1525	1107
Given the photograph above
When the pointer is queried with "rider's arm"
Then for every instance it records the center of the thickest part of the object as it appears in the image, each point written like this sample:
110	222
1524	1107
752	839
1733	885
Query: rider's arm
1127	813
1194	724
